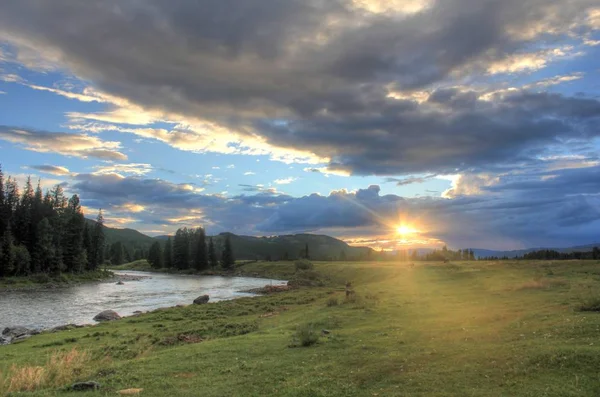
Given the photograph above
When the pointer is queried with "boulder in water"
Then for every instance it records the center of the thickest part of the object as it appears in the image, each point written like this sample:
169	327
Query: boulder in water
201	300
107	315
120	282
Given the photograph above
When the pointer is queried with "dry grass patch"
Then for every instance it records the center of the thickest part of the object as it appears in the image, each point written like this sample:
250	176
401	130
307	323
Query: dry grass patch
60	369
542	284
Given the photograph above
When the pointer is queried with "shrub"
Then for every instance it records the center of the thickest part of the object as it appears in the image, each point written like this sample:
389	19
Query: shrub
303	264
305	336
40	278
333	301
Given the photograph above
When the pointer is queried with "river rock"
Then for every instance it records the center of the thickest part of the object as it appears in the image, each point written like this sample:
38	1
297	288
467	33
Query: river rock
15	332
4	341
85	386
201	300
120	282
66	327
107	315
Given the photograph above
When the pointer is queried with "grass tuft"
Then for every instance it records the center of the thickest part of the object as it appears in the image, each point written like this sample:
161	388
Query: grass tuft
60	369
306	335
333	301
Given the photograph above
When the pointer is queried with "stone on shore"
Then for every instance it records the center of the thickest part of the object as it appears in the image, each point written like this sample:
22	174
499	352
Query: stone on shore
107	315
201	300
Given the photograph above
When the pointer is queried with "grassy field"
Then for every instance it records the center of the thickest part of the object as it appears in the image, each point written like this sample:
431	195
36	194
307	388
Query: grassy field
458	329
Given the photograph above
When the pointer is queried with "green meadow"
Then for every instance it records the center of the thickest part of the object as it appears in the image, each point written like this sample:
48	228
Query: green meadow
509	328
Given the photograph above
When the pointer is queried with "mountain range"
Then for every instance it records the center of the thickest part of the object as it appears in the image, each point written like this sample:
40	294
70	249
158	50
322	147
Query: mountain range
321	247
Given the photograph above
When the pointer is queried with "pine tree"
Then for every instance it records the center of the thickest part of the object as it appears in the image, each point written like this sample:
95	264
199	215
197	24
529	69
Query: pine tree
96	254
87	241
213	261
73	236
45	249
155	256
7	254
3	209
200	255
306	253
227	259
22	261
22	216
181	249
168	253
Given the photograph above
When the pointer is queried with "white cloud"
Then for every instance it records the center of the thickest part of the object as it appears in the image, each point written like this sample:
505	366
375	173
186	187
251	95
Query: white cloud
529	62
249	173
138	169
284	181
52	169
468	184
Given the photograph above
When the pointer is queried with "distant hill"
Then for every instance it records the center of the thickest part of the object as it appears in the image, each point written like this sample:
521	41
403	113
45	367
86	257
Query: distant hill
320	247
130	238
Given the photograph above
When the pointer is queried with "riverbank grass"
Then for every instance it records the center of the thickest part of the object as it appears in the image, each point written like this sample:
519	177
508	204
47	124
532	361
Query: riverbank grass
43	280
460	329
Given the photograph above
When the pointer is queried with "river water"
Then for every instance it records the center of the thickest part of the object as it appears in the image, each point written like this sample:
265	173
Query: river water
42	309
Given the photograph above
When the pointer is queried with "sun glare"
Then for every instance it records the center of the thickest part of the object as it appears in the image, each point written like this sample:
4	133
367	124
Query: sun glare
405	230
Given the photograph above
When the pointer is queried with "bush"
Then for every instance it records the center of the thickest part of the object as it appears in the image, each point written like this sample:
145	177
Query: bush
305	336
333	301
590	304
40	278
303	264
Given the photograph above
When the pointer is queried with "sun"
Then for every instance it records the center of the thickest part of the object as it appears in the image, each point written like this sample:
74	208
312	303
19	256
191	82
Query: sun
405	230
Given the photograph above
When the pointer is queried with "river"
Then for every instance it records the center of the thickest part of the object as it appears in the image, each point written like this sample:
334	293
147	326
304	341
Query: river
47	308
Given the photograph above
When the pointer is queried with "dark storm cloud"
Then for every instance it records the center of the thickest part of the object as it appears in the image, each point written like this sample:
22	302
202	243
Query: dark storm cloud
324	67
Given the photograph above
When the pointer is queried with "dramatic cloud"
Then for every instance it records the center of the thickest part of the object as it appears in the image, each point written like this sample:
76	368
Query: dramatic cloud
78	145
313	81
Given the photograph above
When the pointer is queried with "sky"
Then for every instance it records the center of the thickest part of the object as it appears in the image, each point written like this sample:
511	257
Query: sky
471	123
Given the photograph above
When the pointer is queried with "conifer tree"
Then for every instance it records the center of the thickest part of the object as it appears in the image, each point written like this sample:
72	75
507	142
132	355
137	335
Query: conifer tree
168	253
7	254
96	254
212	254
200	257
181	249
227	259
155	256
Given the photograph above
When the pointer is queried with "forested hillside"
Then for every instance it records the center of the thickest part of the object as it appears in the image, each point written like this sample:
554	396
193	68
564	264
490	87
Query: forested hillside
290	247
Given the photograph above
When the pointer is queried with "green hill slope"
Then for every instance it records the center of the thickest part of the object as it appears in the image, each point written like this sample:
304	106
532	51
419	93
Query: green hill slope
131	239
320	247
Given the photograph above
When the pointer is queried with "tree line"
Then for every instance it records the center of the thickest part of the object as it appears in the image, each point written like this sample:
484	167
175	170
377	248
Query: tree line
190	249
548	254
45	232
